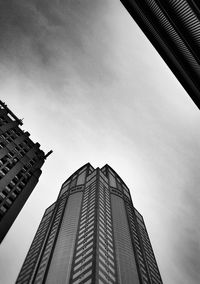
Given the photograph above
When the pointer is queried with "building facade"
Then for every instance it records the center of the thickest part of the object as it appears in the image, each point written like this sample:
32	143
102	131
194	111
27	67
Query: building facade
173	27
20	167
91	234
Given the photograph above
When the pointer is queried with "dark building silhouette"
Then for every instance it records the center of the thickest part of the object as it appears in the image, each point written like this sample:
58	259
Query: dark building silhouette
173	27
91	234
20	163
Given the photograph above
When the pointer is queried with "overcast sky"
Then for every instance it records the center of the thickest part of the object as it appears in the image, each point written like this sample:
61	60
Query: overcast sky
91	87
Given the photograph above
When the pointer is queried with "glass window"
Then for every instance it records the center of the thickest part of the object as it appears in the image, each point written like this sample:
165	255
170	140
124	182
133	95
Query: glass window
73	183
64	189
92	175
91	181
66	183
88	281
112	180
119	186
138	215
3	209
81	178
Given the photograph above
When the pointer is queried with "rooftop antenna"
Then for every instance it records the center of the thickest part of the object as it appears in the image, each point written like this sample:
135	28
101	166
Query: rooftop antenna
49	153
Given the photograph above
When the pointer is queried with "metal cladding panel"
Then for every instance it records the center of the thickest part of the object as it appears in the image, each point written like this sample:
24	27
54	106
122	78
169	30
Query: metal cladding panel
173	28
126	265
60	266
33	256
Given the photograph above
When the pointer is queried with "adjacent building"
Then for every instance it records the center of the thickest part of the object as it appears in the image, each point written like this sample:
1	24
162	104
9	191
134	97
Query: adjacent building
173	27
91	234
20	167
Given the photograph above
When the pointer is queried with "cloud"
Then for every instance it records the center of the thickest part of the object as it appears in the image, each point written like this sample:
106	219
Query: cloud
53	41
187	244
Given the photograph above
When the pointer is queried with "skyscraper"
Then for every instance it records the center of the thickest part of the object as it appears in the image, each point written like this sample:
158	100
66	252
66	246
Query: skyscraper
20	167
173	27
91	234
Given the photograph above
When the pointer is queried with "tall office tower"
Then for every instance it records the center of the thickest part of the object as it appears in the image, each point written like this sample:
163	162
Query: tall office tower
173	27
20	163
91	234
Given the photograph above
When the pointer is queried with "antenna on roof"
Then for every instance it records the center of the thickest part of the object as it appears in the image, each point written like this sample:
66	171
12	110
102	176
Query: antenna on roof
49	153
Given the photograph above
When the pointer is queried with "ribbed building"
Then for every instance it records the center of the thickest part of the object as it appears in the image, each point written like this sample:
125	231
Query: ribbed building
91	234
173	27
20	167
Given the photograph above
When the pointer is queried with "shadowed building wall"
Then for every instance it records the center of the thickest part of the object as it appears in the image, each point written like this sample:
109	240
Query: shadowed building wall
91	234
173	27
20	167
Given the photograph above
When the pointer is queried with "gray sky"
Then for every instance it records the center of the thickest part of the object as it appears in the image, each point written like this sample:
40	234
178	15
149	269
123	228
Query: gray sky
91	87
